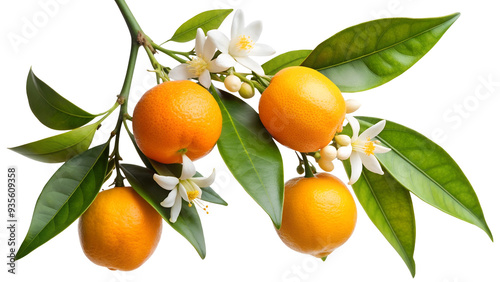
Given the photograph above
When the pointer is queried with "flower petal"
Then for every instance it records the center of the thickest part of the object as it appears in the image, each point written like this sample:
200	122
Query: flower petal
262	50
166	182
355	127
222	63
208	50
254	30
219	39
238	24
176	209
380	149
205	80
183	192
371	163
356	167
204	181
251	64
188	169
181	72
373	131
170	199
200	42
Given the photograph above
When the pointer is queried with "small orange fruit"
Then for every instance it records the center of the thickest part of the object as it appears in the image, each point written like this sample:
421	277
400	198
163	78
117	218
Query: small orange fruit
119	230
302	109
175	118
319	214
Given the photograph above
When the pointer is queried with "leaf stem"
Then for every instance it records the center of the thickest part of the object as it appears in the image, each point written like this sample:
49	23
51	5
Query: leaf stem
307	167
171	53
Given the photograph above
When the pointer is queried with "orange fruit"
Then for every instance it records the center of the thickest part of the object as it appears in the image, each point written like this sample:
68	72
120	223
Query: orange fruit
119	230
319	214
176	117
302	109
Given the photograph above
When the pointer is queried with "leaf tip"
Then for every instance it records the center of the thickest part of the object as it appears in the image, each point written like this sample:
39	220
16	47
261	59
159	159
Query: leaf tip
324	258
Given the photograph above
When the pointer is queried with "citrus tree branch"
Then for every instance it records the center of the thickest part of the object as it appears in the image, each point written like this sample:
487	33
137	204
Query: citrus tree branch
133	25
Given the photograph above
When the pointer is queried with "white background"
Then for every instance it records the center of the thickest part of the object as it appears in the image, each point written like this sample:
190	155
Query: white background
80	48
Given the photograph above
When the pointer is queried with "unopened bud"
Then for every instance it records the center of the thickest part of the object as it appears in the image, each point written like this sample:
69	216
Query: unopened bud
351	106
300	169
313	169
232	83
326	165
246	91
317	156
328	153
343	140
344	152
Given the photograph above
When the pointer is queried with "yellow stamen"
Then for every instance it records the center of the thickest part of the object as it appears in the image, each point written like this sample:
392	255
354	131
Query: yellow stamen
245	43
197	66
192	195
369	148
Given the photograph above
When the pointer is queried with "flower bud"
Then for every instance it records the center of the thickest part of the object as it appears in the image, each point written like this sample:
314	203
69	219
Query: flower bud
232	83
344	152
343	140
300	169
351	106
326	165
328	153
246	91
313	169
317	156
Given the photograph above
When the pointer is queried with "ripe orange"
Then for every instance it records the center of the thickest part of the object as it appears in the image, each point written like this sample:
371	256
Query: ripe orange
176	117
302	109
120	230
319	214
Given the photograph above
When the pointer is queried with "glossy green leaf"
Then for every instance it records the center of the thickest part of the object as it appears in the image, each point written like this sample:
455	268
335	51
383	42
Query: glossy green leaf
59	148
208	194
188	223
110	169
288	59
67	194
425	169
389	206
251	154
372	53
51	109
207	20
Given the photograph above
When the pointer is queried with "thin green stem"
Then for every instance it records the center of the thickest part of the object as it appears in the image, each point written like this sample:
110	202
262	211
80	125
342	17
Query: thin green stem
158	68
171	53
261	81
309	172
123	101
253	83
132	23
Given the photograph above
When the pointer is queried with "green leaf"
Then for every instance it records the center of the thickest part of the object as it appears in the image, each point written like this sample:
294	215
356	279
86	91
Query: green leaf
288	59
372	53
389	206
67	194
110	169
59	148
51	109
425	169
188	223
207	20
251	154
208	194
